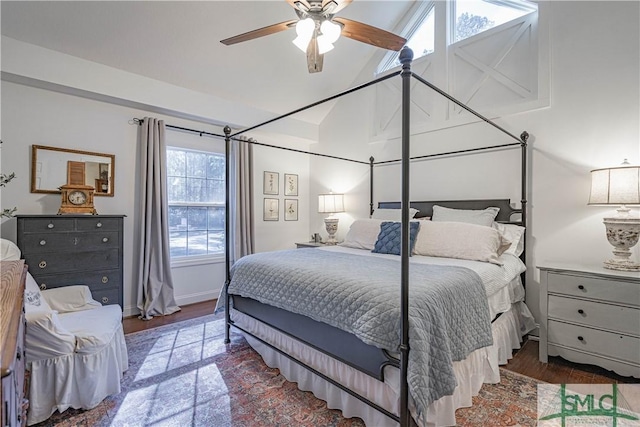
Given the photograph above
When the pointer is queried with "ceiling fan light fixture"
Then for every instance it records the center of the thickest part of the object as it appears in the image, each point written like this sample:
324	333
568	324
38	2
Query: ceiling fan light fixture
324	45
304	30
330	30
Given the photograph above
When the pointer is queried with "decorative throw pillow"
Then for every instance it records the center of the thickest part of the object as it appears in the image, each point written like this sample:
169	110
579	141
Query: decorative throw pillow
390	237
33	299
460	240
362	234
392	214
472	216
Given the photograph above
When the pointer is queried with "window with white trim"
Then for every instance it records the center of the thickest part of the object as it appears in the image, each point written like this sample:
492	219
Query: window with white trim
196	193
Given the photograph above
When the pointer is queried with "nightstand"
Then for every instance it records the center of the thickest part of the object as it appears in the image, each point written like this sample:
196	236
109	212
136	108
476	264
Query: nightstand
309	245
590	314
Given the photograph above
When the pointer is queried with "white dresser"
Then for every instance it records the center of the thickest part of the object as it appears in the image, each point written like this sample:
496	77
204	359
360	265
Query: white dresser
590	314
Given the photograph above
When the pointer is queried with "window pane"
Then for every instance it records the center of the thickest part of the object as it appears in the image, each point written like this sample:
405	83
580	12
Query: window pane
216	241
196	164
422	41
197	243
197	218
176	161
216	218
215	191
178	243
215	166
476	16
196	190
176	189
177	218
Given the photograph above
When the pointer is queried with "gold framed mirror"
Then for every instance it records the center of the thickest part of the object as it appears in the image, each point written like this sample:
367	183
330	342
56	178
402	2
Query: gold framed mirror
49	169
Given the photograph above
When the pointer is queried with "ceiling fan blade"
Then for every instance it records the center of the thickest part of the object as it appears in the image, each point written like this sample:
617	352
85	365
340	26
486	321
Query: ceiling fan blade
304	3
314	58
261	32
371	35
341	4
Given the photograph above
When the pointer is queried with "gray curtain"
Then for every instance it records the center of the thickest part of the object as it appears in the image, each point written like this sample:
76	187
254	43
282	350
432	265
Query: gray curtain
155	285
241	225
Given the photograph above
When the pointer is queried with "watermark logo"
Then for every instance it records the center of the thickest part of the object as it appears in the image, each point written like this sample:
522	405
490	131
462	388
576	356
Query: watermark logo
572	405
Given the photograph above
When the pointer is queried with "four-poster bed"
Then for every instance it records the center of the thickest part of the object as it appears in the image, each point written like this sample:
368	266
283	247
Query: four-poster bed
377	373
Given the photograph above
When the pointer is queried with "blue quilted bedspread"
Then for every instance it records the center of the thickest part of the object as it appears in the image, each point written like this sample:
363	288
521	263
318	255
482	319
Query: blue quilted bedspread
448	311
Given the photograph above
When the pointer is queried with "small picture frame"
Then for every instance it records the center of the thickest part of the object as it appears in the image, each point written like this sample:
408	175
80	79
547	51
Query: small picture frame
290	209
271	209
271	183
290	184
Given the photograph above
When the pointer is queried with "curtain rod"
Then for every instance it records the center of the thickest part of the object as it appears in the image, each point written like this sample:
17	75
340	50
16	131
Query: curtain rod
204	133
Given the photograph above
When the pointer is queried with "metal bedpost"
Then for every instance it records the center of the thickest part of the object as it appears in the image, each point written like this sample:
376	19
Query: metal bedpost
371	159
227	243
524	137
406	56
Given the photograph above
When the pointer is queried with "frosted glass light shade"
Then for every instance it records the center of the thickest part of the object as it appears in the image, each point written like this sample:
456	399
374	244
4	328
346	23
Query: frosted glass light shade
304	30
330	203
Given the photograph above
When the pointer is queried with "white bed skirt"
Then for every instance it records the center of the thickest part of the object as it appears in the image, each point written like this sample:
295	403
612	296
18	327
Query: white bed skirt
480	367
78	380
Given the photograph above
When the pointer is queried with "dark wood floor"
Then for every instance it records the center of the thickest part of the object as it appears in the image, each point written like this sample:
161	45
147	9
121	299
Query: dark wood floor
524	362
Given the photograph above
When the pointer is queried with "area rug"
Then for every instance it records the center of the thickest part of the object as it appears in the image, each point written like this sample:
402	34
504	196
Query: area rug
184	375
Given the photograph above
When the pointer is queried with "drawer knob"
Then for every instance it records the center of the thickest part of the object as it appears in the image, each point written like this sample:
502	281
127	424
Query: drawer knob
105	300
42	264
50	225
43	242
105	239
581	287
581	311
43	286
580	338
105	279
99	225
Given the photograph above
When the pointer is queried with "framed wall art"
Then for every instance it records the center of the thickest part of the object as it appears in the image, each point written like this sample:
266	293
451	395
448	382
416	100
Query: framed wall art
271	183
271	209
290	184
290	209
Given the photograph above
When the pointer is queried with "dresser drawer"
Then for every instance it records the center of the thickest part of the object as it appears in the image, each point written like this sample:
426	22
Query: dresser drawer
107	296
94	279
589	340
98	224
610	290
59	262
50	224
599	315
69	242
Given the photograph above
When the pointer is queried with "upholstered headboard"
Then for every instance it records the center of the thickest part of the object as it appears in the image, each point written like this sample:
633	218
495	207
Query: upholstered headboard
506	214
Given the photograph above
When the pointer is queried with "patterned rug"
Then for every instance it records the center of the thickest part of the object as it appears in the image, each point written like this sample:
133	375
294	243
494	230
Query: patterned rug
184	375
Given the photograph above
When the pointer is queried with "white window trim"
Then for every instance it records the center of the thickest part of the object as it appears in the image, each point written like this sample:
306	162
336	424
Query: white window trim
193	260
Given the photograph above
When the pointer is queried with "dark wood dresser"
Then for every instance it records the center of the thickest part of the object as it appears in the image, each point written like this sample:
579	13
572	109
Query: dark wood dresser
12	354
63	250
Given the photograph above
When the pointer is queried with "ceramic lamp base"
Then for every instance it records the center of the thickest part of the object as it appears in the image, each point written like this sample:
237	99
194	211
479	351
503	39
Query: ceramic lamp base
623	234
331	225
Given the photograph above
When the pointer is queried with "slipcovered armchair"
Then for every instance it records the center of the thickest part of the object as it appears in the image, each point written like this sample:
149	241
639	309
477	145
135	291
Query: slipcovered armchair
75	347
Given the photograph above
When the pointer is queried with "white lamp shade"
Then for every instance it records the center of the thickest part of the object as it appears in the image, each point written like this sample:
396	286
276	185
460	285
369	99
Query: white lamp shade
331	31
615	186
330	203
304	30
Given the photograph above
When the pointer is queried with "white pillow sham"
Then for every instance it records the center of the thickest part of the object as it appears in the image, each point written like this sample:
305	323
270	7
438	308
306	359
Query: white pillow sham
392	214
515	234
472	216
362	234
460	240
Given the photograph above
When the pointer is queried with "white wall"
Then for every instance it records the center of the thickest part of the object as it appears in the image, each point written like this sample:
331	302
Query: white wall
42	117
593	121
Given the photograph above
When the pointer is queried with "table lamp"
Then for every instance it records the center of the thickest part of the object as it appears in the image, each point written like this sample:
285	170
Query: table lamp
619	186
331	203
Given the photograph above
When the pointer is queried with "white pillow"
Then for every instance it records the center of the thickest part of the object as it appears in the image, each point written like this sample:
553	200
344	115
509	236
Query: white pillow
472	216
8	251
392	214
460	240
362	234
515	234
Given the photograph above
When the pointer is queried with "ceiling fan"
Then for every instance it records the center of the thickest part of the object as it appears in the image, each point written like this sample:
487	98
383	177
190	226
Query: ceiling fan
318	28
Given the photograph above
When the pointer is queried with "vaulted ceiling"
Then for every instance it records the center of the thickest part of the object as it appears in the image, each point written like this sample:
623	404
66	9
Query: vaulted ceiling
179	42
